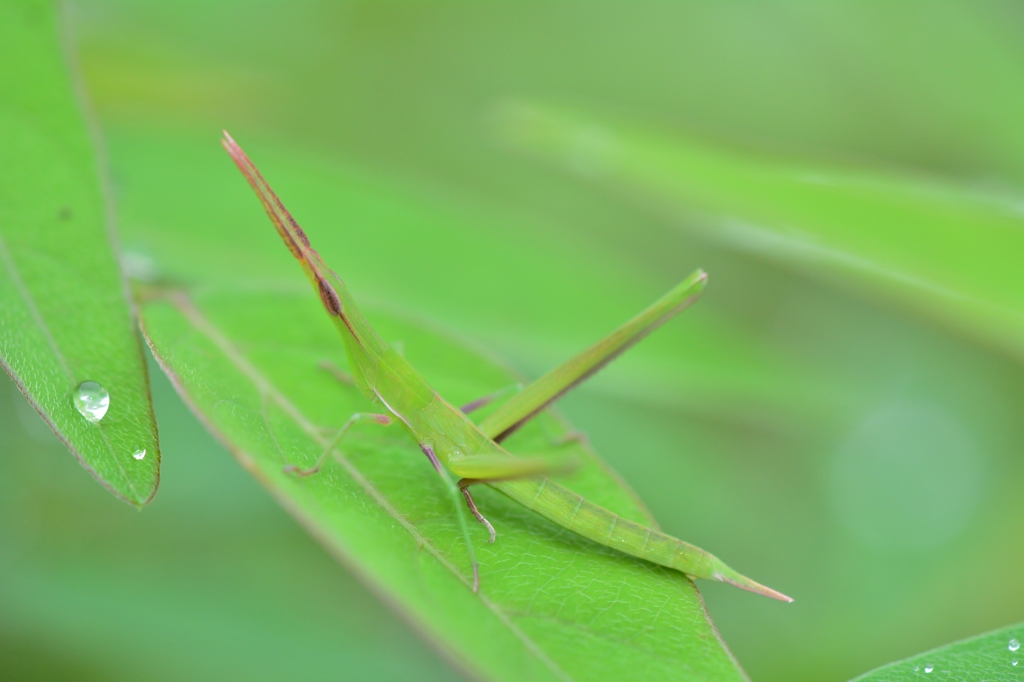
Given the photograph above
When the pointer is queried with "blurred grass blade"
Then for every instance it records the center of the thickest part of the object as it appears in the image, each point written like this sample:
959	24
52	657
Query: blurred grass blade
947	252
64	316
552	606
995	656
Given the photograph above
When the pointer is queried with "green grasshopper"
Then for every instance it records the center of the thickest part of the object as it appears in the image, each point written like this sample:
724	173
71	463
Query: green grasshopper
473	452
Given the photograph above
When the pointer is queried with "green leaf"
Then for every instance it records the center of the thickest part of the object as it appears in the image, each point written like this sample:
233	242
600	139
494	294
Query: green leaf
948	252
245	348
551	606
993	657
64	317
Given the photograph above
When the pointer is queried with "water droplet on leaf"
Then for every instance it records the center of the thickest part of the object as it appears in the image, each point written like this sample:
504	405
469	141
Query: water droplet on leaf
92	400
929	668
139	266
139	454
1014	645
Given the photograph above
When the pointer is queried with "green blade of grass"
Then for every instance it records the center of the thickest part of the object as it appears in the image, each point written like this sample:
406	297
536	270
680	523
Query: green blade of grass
64	316
994	656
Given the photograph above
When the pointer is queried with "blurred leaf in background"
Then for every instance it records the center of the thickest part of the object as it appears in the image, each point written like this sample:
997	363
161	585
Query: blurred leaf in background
860	453
944	250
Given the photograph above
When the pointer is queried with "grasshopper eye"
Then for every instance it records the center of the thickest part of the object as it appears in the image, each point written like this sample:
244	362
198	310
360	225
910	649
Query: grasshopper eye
298	231
329	297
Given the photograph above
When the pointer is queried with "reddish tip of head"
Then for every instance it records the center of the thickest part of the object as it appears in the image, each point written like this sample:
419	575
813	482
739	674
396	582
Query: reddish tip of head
231	146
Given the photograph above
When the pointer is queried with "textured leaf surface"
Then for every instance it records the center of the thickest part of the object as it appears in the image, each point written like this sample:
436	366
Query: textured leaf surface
551	605
993	657
64	317
949	252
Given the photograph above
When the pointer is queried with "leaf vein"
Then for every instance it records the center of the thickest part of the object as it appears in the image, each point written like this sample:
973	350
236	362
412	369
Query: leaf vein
191	313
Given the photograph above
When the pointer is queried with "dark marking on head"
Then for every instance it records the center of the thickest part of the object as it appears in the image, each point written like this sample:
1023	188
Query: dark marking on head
298	231
333	304
329	297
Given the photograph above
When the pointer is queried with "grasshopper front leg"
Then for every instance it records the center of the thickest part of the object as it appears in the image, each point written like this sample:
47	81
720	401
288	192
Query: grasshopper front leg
382	419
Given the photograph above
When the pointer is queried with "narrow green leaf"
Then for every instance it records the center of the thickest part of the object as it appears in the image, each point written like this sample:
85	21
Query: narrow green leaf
64	316
948	252
992	657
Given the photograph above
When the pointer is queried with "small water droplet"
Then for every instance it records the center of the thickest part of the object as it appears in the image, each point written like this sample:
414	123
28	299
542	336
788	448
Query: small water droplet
1014	645
1013	662
92	400
929	668
139	266
916	668
139	454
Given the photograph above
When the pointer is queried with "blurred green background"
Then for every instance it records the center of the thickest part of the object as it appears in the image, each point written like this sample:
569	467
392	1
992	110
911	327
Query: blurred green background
862	455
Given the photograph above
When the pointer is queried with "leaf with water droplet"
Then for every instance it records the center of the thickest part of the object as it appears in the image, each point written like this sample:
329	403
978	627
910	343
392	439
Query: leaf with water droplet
91	400
985	657
67	336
